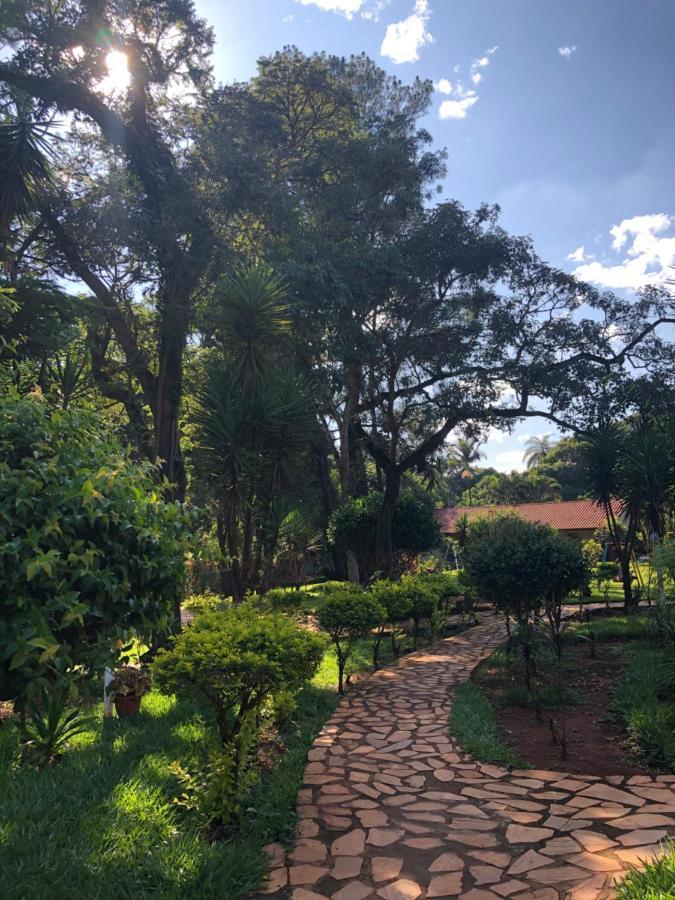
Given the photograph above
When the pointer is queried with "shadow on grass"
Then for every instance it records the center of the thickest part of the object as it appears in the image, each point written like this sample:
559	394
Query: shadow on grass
102	822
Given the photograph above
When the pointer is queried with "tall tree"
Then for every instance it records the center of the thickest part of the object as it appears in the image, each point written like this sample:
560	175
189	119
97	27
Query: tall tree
122	70
537	449
462	455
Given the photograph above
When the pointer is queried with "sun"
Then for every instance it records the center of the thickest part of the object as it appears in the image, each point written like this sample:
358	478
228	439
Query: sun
118	78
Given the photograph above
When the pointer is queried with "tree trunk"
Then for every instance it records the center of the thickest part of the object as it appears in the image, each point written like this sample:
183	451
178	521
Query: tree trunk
385	521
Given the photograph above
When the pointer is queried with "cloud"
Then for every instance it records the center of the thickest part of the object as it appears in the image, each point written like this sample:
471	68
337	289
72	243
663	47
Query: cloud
566	52
648	254
346	8
462	99
404	40
289	18
480	63
507	461
457	109
577	255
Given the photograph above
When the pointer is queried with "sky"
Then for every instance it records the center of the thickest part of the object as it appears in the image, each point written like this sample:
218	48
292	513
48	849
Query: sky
560	111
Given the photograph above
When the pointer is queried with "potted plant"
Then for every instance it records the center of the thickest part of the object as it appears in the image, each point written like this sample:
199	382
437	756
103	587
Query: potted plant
126	689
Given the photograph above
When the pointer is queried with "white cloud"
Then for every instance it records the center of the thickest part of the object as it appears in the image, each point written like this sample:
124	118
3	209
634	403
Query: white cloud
480	63
507	461
347	8
462	99
577	255
495	436
404	40
566	52
457	109
648	254
289	18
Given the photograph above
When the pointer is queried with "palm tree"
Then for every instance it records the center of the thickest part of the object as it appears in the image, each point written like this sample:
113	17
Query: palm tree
254	419
463	454
536	449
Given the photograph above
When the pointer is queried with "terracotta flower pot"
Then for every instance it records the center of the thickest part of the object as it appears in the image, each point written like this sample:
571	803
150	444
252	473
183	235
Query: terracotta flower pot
127	706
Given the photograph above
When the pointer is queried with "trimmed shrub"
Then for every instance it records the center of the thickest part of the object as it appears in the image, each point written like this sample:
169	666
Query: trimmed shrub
345	617
236	662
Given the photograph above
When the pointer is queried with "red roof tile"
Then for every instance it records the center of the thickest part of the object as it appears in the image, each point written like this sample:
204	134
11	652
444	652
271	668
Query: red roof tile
565	515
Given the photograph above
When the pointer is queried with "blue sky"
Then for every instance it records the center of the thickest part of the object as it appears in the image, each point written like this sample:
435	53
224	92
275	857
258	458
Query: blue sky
561	111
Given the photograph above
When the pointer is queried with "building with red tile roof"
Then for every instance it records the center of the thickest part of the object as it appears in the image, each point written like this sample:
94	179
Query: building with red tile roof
577	518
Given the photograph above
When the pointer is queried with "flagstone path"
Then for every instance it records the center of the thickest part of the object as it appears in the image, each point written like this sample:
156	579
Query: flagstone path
390	809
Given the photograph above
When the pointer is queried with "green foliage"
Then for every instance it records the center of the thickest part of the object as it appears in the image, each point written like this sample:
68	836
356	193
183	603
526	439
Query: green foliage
474	724
215	791
654	880
518	487
236	660
123	836
518	565
592	551
48	726
354	526
286	600
90	553
345	617
644	699
197	603
422	601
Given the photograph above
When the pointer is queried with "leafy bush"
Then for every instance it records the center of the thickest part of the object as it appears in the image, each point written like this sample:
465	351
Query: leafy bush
422	601
643	699
235	661
197	603
90	553
354	526
396	604
48	727
286	600
345	617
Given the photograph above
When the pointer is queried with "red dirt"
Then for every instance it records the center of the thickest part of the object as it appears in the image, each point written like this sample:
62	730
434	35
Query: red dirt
594	739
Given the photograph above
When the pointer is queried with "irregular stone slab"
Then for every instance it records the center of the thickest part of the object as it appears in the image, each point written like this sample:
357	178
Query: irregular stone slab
528	861
404	889
593	841
346	867
350	844
353	891
306	874
486	874
556	874
524	834
445	885
382	837
385	867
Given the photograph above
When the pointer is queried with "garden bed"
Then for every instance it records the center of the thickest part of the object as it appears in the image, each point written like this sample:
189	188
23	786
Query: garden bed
619	705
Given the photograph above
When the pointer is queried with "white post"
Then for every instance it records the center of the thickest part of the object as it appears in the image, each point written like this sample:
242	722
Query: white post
107	699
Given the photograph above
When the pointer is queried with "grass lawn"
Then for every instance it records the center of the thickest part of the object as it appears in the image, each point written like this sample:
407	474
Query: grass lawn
101	823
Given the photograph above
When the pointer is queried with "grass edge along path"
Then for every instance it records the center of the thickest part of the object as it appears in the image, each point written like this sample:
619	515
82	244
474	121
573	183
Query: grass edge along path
656	881
473	723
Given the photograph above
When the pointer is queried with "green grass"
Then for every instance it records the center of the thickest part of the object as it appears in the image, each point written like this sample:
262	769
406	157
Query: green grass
616	628
645	699
655	882
474	724
101	823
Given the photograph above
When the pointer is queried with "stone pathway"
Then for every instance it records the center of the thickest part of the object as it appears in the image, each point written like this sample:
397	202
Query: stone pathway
390	809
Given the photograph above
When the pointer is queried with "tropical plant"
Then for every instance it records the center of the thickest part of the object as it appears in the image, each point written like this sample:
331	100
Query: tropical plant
462	455
47	725
254	422
537	448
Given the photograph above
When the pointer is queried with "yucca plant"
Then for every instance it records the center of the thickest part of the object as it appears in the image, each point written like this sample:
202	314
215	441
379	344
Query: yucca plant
47	725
